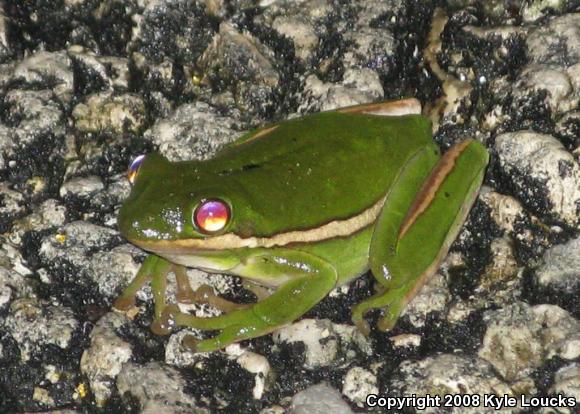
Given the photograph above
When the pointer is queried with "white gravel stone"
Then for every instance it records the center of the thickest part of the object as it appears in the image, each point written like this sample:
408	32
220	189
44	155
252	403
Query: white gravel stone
260	367
37	113
433	297
49	214
12	201
520	338
12	259
357	384
82	187
114	269
192	131
406	340
111	71
5	49
501	280
505	210
533	10
158	388
12	285
541	169
557	41
42	396
243	60
450	374
319	399
33	325
104	112
321	348
561	332
562	95
53	69
567	381
103	360
511	343
76	241
358	86
302	33
561	267
324	341
177	355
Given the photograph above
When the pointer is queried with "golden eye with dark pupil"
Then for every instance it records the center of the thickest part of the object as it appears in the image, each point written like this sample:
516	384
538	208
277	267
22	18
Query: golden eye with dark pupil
211	216
134	168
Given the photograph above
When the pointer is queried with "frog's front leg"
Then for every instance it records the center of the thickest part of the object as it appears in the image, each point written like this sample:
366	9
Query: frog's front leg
418	223
154	268
307	280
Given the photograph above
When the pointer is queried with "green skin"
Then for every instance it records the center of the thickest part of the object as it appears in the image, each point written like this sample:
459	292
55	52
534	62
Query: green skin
360	172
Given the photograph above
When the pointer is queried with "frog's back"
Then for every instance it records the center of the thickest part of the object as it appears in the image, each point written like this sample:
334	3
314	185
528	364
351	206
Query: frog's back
299	173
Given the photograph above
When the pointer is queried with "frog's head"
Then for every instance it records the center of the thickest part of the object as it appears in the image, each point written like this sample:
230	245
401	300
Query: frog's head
174	207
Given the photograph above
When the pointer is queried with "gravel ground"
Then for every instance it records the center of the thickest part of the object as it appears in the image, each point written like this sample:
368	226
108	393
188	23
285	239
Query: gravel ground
86	85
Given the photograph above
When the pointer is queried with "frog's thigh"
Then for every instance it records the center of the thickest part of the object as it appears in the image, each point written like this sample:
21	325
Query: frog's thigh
412	252
308	280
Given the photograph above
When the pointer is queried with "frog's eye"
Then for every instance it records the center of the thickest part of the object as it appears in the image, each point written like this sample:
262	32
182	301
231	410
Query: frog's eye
134	168
211	216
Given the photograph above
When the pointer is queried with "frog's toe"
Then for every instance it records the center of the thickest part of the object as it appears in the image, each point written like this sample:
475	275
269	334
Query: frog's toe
191	342
391	301
359	321
166	322
124	303
389	319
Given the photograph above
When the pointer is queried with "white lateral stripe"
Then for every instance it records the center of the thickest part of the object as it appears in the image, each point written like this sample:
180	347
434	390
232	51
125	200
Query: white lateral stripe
337	228
409	106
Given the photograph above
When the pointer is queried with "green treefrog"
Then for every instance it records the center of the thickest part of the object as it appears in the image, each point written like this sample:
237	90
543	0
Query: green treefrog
296	209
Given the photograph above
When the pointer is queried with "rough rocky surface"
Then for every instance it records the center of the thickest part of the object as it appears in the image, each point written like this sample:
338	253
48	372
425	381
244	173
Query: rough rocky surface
87	85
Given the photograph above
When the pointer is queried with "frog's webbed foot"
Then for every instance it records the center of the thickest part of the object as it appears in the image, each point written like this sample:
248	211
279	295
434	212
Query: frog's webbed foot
290	301
392	301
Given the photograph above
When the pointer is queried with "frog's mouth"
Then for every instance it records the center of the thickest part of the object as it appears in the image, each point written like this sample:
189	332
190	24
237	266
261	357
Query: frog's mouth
210	260
232	241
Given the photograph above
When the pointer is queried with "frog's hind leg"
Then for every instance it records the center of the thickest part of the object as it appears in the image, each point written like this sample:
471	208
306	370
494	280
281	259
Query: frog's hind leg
308	280
407	248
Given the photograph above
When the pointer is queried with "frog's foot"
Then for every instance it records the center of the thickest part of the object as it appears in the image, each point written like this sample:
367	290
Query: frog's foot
290	301
152	265
392	301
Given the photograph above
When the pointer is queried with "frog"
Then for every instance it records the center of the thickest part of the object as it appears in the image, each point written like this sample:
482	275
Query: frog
296	209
